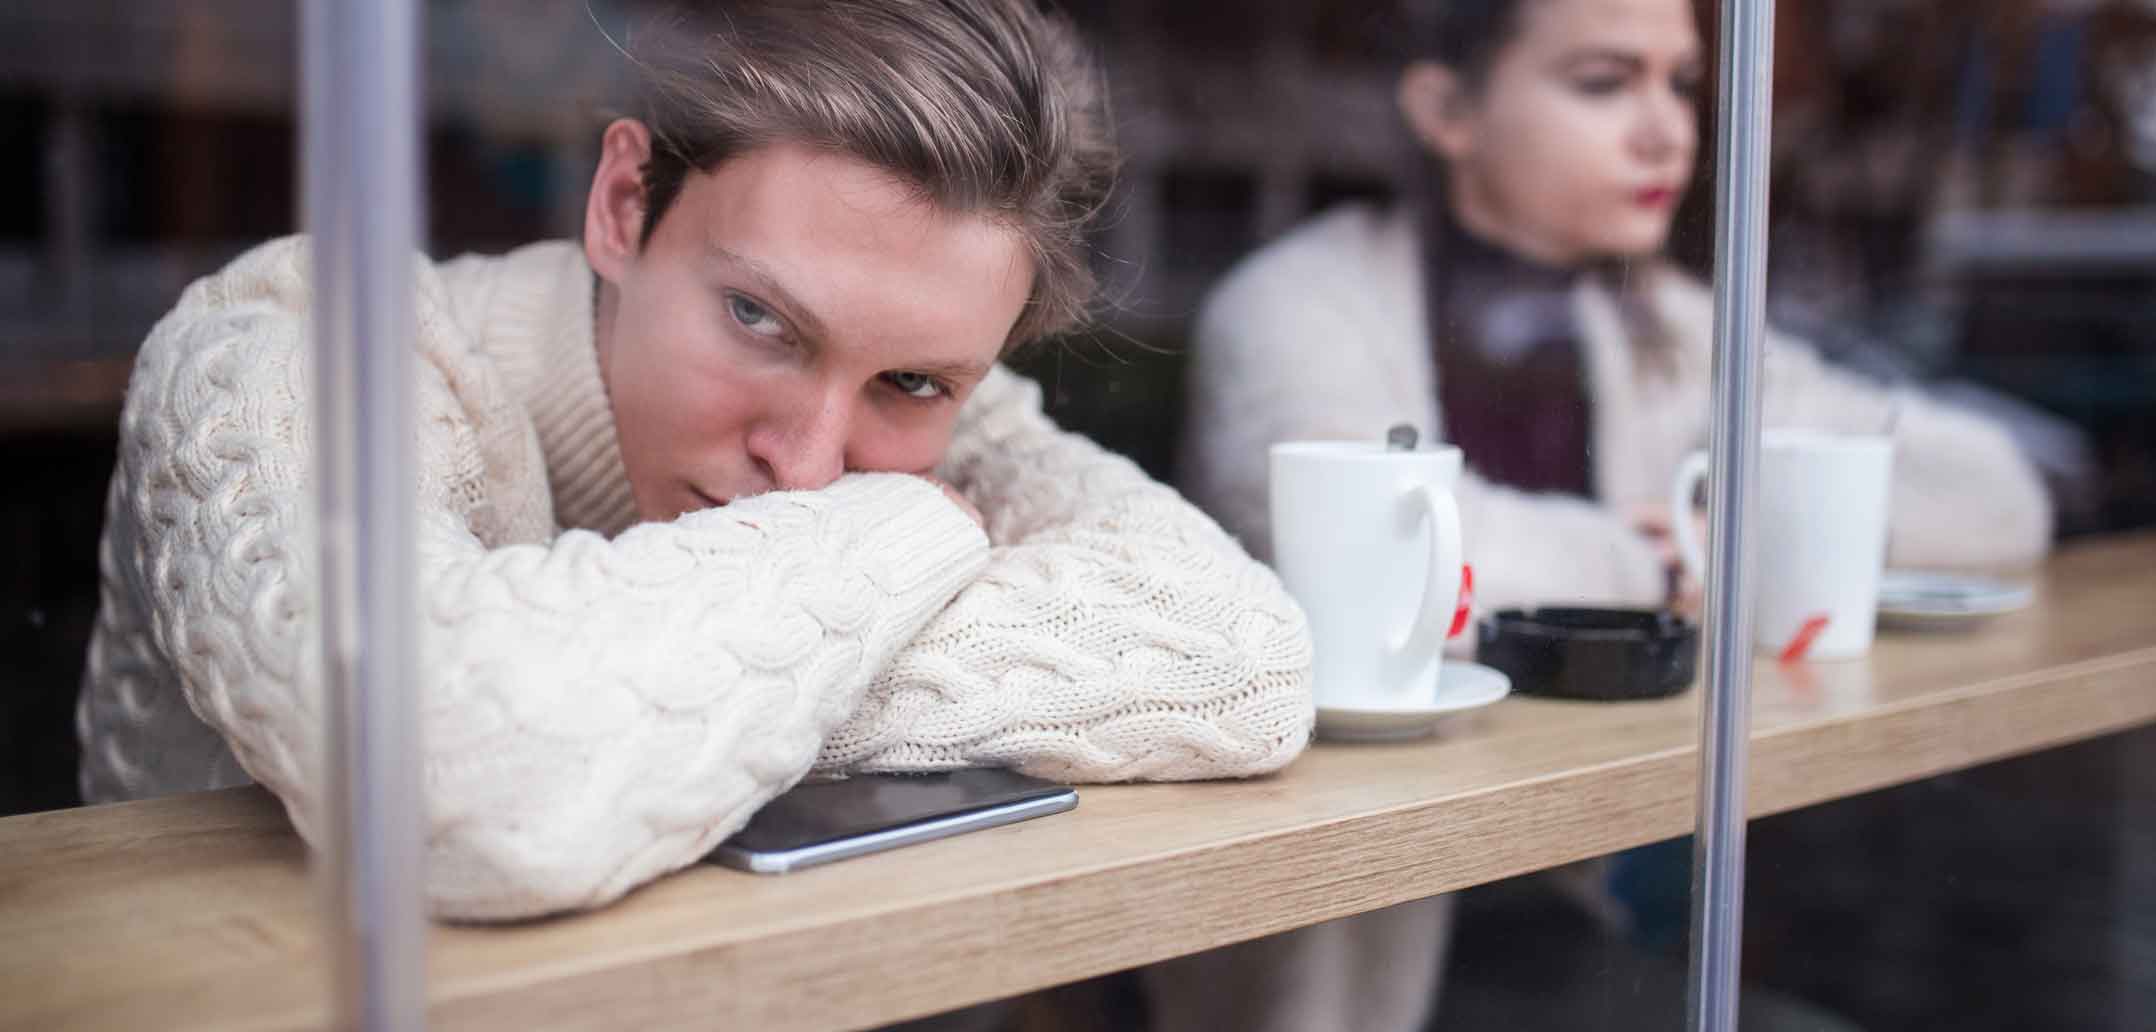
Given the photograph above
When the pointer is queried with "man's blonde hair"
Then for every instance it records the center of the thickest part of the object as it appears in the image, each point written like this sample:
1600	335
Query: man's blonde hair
986	106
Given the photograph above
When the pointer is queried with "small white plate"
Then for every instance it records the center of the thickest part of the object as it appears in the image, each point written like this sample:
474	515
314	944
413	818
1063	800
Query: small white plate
1914	598
1461	686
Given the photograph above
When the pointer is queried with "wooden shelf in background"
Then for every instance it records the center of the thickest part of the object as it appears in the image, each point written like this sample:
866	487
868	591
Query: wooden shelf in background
68	396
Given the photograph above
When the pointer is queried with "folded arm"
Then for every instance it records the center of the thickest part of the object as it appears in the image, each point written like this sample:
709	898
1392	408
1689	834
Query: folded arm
1116	634
594	713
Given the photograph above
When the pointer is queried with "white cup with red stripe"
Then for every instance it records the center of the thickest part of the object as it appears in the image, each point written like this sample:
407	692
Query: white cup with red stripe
1820	541
1367	540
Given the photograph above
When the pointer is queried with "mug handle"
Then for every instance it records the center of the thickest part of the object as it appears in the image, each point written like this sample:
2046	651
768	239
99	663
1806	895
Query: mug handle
1690	548
1441	592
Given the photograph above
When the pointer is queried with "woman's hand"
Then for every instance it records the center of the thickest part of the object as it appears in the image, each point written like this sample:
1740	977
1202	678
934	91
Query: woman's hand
1686	595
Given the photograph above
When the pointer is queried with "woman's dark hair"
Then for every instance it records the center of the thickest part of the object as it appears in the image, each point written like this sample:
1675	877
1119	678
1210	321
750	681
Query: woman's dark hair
1463	35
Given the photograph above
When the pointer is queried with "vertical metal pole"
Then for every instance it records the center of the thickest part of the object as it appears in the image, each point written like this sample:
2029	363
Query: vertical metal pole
1740	278
362	207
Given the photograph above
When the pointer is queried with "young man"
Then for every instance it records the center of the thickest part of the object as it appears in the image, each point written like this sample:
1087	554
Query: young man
734	489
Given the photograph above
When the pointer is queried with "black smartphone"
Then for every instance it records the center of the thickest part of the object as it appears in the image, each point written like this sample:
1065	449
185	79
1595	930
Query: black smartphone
818	822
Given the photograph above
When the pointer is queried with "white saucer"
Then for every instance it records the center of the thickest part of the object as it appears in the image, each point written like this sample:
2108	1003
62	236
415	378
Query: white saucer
1914	598
1461	686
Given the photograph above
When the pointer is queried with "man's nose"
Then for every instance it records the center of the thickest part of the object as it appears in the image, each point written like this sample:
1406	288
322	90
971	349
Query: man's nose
805	449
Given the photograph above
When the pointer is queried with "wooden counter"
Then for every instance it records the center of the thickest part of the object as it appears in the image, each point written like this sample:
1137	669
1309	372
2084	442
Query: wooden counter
195	911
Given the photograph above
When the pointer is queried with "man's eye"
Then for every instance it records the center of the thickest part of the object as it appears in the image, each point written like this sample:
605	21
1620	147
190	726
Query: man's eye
914	385
1599	86
754	317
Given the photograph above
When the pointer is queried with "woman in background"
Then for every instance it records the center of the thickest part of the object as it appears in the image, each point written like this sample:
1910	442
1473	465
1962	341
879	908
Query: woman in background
1525	313
1574	357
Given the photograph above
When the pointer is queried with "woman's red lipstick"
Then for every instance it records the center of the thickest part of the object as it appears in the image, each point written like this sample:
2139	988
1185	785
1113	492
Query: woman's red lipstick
1654	197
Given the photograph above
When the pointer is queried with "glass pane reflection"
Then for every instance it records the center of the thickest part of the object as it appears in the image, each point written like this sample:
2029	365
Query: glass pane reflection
1964	256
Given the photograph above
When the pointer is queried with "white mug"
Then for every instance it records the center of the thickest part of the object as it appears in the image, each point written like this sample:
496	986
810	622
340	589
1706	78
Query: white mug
1820	540
1367	540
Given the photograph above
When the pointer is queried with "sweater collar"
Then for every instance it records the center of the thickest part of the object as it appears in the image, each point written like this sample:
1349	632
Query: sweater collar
541	321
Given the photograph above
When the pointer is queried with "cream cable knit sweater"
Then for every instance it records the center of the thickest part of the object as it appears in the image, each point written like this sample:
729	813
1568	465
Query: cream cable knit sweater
604	702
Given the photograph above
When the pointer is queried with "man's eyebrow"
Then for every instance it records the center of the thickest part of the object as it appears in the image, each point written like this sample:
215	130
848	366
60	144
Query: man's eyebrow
958	371
773	292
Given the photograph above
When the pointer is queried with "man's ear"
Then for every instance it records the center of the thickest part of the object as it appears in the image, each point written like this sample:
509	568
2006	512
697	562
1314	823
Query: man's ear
614	211
1438	108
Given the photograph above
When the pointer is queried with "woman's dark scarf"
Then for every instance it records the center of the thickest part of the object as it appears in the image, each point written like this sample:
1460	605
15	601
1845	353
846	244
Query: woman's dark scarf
1511	365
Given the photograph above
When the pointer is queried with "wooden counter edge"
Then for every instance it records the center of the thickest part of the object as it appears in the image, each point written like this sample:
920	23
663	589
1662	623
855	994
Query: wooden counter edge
1107	919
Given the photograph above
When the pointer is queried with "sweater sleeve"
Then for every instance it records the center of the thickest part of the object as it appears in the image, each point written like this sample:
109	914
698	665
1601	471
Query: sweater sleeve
1963	492
1282	354
593	713
1117	633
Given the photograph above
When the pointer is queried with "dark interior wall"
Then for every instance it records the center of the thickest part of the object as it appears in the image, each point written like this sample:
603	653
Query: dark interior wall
50	517
2016	895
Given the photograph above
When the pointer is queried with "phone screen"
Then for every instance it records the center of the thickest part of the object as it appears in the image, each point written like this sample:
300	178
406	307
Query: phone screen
869	808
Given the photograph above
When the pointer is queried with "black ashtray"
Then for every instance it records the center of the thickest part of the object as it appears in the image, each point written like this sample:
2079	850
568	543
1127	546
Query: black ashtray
1602	654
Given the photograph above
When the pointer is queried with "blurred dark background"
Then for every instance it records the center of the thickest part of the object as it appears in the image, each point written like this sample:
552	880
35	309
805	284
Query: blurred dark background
1964	193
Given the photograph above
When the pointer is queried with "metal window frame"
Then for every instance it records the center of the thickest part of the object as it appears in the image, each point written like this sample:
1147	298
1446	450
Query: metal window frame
361	146
1744	122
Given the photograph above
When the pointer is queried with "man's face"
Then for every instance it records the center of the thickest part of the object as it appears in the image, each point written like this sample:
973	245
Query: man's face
796	315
